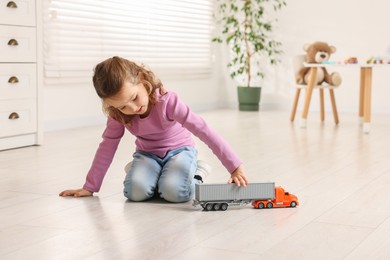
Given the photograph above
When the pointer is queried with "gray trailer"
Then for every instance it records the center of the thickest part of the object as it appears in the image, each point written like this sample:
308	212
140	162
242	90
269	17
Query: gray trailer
220	196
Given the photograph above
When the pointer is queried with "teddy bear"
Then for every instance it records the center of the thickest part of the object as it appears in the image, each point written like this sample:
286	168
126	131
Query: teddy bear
318	52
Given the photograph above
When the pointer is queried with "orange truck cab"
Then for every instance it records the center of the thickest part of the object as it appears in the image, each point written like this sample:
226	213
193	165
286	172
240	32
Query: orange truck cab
282	199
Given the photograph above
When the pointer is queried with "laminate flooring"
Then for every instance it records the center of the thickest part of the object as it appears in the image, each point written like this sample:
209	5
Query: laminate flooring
340	175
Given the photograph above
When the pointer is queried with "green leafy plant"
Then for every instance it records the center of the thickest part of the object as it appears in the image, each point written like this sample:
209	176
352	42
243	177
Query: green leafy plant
247	28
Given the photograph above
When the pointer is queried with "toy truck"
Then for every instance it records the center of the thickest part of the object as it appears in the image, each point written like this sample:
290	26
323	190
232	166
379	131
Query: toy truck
282	199
221	196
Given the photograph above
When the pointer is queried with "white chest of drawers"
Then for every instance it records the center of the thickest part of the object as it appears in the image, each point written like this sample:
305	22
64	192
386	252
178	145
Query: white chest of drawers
20	73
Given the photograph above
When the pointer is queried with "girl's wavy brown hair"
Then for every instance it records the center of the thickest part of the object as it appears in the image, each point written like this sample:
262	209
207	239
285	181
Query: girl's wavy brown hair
111	74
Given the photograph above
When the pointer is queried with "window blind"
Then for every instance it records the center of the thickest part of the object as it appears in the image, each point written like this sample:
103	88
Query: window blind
171	37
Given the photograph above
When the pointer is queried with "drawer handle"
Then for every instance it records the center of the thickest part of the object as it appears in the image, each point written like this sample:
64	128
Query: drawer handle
12	4
13	80
13	42
13	116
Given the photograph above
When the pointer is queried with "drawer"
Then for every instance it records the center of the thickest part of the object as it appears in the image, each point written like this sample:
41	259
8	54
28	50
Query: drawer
17	12
18	81
17	44
18	117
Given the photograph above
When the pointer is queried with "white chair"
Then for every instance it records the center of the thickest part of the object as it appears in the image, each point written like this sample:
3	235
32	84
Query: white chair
297	65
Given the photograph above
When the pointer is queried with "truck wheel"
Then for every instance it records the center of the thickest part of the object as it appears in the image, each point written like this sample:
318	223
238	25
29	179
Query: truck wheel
224	206
216	206
209	207
293	204
260	205
269	205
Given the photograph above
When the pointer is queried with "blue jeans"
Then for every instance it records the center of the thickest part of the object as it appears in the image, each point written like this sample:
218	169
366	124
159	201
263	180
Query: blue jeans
172	177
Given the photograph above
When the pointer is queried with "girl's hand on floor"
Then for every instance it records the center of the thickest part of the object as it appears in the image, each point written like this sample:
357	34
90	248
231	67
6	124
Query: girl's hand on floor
238	177
76	193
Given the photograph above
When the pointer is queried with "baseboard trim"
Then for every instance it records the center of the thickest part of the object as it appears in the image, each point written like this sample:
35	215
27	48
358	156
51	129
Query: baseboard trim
62	124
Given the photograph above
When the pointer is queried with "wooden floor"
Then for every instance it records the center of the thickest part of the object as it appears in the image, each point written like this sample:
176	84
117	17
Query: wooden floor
340	175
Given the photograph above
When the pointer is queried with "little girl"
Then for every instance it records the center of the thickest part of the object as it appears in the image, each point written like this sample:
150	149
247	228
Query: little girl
165	161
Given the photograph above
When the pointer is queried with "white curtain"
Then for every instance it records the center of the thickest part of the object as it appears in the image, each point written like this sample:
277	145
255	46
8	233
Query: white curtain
171	37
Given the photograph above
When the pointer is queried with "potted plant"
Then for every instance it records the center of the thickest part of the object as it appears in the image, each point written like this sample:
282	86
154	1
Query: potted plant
247	29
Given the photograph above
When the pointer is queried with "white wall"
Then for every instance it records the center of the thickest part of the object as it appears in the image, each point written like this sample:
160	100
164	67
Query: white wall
356	27
73	106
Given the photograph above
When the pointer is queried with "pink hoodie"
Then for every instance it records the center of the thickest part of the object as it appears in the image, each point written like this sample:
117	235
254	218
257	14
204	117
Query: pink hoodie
168	126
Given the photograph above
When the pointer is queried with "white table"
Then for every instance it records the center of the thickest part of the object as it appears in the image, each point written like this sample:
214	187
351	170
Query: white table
365	89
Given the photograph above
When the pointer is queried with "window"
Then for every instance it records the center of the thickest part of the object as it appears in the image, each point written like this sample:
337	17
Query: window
172	37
